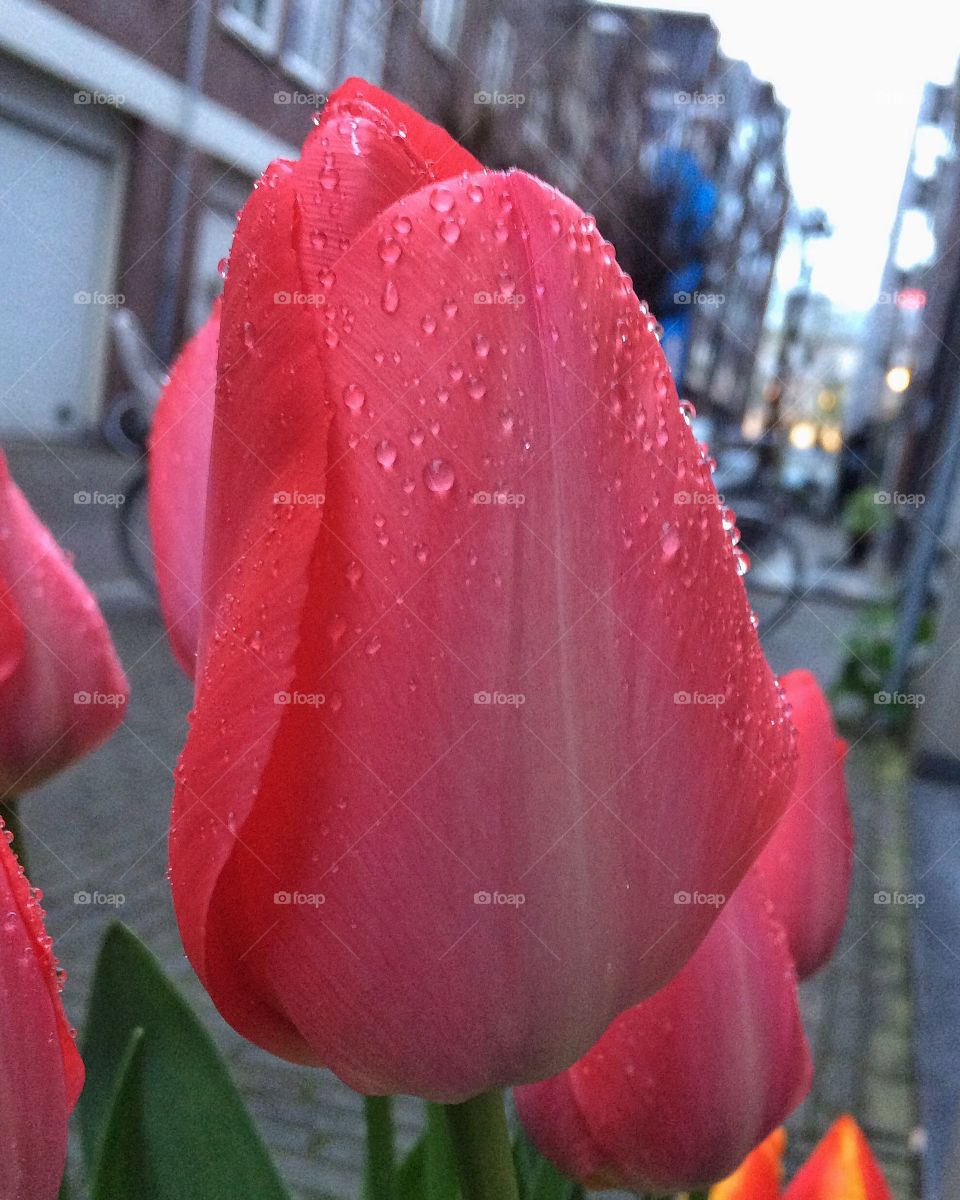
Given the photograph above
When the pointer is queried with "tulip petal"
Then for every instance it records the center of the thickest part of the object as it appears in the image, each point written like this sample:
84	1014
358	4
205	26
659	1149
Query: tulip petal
67	691
679	1088
383	795
759	1175
12	633
841	1165
41	1073
808	861
179	465
441	154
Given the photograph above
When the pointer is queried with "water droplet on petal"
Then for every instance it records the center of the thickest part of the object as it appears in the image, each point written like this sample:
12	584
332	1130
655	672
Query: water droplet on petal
354	397
390	300
438	475
386	453
670	542
450	231
390	250
442	200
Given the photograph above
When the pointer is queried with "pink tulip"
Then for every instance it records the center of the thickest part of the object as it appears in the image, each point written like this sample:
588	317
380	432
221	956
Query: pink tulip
41	1073
808	861
681	1087
179	464
477	691
62	689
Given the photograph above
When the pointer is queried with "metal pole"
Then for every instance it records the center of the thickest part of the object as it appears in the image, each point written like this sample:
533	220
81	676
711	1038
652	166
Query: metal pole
176	234
924	551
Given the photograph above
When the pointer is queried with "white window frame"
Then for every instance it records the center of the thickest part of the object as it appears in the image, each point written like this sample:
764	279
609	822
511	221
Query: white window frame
442	23
499	55
382	27
265	38
306	70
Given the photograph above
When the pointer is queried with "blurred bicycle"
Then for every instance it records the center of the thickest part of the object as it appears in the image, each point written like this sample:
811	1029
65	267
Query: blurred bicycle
126	427
749	480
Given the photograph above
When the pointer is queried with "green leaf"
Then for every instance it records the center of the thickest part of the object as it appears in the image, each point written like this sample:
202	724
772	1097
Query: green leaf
540	1179
378	1172
163	1104
121	1169
429	1171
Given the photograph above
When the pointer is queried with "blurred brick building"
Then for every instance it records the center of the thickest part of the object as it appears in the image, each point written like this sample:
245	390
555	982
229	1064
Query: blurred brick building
132	133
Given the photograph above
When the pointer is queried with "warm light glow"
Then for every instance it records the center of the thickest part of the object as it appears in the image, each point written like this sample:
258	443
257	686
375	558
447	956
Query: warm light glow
831	439
898	379
803	435
752	425
827	400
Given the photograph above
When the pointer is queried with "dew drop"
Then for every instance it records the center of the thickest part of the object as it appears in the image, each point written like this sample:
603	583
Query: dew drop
441	200
354	397
670	542
390	300
389	250
438	475
386	453
450	231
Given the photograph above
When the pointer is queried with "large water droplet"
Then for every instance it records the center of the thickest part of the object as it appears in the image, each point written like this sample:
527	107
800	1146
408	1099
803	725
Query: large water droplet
354	397
450	231
386	453
670	542
438	475
389	250
442	200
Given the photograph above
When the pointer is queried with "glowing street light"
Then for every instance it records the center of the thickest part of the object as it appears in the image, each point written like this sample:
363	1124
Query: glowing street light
898	379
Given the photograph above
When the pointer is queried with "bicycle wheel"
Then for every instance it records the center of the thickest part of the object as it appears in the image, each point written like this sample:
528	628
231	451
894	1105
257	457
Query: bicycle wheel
133	532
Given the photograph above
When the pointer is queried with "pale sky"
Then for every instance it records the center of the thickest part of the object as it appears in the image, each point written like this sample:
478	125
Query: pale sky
852	75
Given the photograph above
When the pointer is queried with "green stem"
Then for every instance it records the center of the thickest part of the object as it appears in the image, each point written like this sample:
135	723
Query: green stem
378	1170
481	1147
10	811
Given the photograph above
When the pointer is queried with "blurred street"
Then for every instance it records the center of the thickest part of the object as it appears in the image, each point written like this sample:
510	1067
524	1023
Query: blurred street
102	827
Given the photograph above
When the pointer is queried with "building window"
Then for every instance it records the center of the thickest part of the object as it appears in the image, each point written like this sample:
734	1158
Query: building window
256	22
365	38
499	56
442	21
310	41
